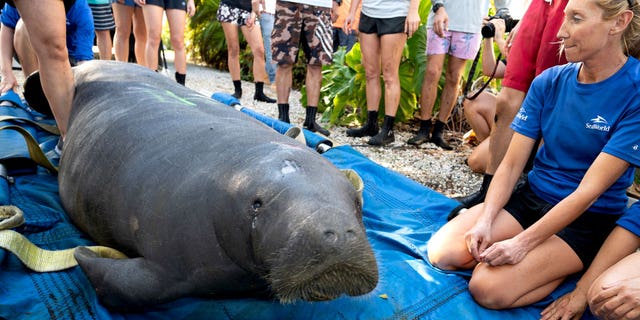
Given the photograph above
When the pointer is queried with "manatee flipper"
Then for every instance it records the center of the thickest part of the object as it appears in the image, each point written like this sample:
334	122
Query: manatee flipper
34	94
128	283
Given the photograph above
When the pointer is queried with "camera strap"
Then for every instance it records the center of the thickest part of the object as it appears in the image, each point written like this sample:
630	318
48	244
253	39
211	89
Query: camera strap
472	72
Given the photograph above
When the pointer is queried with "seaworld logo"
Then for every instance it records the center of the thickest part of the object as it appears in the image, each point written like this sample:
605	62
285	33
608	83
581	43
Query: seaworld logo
522	114
598	123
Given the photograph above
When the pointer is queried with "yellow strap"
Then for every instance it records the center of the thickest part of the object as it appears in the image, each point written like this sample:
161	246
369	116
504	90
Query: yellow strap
36	154
46	127
35	258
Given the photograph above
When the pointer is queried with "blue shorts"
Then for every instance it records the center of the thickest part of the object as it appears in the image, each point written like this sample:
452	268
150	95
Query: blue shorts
585	235
128	3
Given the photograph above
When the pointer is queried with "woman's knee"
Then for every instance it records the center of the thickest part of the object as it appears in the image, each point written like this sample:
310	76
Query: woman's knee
489	292
177	42
446	257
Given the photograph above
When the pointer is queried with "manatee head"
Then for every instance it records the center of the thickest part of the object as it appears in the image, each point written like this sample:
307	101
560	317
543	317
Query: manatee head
302	229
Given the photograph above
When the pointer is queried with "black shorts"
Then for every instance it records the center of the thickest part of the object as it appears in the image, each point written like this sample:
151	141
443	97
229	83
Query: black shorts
381	26
584	235
169	4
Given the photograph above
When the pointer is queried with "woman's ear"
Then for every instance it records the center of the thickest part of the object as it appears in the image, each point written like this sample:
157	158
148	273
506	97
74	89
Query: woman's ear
622	21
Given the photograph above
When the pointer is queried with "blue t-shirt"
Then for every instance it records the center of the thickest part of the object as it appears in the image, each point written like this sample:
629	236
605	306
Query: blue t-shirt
80	30
631	219
577	122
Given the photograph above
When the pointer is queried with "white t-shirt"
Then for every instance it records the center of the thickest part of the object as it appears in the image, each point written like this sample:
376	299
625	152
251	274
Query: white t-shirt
317	3
384	9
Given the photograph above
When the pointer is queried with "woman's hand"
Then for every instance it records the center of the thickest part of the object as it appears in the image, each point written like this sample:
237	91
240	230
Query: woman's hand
478	238
569	306
440	22
412	23
510	251
348	21
191	8
618	300
8	82
140	2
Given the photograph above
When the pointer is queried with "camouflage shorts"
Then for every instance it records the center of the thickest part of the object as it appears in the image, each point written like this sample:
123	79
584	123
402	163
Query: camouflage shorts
302	25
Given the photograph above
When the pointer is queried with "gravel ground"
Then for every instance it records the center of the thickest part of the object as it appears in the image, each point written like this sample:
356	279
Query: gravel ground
429	165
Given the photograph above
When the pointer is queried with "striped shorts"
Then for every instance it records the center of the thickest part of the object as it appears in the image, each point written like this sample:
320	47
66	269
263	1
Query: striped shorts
102	16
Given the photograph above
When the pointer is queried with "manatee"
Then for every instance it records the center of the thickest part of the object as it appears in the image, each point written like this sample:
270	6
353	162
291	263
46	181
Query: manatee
204	200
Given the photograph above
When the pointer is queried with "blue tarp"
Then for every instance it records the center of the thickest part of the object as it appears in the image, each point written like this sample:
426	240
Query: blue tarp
400	215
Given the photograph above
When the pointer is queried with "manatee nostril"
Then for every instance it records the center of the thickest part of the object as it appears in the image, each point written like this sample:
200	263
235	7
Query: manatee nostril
330	236
351	235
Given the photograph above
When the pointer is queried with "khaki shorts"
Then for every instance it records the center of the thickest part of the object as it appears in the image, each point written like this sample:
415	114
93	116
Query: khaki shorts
302	25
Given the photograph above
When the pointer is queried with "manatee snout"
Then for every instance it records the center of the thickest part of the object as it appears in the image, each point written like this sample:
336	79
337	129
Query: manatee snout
323	260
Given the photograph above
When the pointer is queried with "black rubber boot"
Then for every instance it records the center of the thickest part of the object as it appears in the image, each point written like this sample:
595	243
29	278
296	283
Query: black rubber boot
472	199
369	129
436	136
385	136
181	78
423	133
259	94
283	112
237	87
311	124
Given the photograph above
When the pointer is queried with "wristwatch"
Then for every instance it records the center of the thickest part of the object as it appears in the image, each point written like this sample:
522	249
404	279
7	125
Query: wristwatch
437	6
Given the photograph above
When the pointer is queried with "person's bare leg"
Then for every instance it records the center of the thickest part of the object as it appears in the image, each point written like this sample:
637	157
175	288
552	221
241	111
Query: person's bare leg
480	114
429	91
313	83
428	95
449	95
254	39
507	106
176	19
535	277
448	98
370	49
46	23
391	46
122	15
477	160
283	82
24	50
103	38
140	35
233	49
153	23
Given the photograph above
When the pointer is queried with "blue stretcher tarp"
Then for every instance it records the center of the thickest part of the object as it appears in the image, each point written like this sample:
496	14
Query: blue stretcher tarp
400	216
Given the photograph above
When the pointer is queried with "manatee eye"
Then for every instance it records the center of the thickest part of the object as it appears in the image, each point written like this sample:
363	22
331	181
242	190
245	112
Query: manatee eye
256	205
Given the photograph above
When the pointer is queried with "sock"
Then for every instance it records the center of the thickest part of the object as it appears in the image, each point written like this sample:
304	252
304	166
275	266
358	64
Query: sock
181	78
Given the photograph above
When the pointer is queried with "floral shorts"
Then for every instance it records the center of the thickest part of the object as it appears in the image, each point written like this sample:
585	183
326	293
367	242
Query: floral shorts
233	15
461	45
